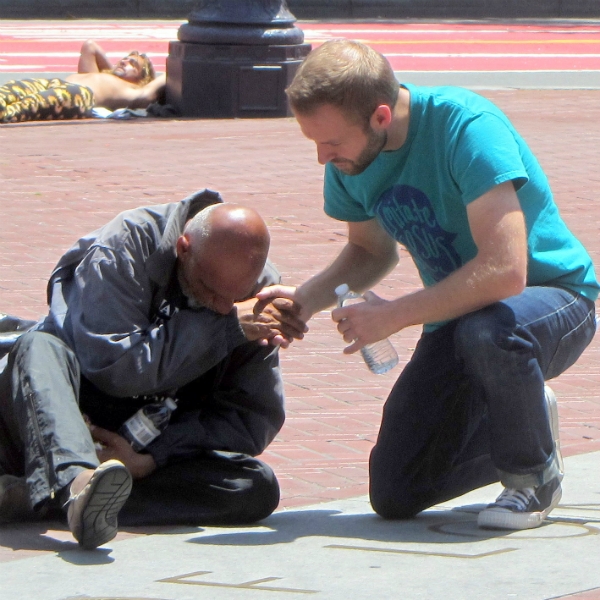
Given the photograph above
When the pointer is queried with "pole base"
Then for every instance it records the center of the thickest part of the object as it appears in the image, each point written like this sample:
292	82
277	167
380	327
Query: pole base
228	81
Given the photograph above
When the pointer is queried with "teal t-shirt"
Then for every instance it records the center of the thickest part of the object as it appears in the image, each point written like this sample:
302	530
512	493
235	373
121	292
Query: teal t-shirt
459	146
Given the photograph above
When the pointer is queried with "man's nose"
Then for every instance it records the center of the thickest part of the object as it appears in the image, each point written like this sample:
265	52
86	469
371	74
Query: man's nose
324	155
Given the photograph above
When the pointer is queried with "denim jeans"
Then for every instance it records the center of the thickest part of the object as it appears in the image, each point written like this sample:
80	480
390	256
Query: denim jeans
469	407
44	438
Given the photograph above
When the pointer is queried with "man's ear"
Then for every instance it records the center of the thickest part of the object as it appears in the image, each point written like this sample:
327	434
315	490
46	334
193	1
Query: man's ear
381	117
182	247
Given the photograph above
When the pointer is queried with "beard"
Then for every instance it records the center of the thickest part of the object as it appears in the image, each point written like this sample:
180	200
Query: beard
192	302
375	144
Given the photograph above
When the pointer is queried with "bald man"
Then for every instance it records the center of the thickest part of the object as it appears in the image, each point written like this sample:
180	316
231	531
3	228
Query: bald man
159	302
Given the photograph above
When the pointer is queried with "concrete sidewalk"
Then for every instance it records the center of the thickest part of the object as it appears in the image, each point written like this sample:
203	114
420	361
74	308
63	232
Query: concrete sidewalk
338	551
61	180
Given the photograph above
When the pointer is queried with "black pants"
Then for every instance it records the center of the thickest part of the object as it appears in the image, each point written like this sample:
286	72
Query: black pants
44	438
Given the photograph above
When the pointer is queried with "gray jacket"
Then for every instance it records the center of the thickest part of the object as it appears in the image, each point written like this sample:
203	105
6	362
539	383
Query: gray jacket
114	299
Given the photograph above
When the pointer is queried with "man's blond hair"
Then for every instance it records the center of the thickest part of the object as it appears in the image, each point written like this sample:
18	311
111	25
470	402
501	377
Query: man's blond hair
147	72
345	74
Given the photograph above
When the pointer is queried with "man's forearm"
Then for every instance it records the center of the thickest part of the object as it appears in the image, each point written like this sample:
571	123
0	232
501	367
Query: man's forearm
470	288
93	59
354	266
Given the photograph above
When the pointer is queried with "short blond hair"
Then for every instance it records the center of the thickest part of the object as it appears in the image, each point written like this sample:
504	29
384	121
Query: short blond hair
148	74
345	74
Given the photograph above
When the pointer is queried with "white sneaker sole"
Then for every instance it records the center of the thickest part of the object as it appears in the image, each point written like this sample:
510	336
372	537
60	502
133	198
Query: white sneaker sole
554	425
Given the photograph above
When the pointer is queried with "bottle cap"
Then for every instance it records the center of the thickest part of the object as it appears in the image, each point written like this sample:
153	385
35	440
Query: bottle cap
171	404
342	289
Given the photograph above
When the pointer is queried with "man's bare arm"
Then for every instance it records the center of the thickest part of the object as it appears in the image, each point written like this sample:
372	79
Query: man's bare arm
369	255
499	270
143	96
93	59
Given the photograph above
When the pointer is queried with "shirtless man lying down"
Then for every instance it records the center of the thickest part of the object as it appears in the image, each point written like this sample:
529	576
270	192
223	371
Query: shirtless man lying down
131	83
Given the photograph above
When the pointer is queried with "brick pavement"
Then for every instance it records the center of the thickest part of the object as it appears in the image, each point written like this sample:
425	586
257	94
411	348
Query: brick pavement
59	181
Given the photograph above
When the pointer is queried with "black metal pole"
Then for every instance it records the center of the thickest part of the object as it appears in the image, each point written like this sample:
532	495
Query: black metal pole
234	58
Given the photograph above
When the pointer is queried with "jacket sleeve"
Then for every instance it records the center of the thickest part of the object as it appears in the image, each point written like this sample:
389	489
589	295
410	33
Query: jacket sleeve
124	352
120	349
242	412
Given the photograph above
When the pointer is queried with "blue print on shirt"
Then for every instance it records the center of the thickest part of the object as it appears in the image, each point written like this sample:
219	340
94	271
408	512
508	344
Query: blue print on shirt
407	215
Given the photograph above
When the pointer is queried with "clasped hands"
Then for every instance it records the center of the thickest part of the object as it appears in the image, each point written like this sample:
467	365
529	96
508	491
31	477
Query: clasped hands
278	316
271	320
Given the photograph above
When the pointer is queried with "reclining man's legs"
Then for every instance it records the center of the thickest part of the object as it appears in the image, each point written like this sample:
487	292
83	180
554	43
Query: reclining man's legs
42	100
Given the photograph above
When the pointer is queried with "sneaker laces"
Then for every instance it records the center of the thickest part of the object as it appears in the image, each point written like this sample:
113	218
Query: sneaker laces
515	499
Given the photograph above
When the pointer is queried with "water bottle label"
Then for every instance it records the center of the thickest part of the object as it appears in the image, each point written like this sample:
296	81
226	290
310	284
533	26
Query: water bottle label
379	356
142	429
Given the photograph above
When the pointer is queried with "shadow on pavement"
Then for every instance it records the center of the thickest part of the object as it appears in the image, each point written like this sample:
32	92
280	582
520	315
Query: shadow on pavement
433	527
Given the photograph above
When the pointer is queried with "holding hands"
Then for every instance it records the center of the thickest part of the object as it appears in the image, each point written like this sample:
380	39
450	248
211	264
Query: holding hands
271	318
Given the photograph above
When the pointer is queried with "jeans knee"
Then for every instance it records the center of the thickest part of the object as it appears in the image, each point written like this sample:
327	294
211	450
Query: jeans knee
389	495
474	333
391	504
251	489
39	354
484	336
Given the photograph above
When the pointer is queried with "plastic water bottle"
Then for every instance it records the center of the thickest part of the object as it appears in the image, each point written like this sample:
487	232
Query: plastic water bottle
380	356
147	423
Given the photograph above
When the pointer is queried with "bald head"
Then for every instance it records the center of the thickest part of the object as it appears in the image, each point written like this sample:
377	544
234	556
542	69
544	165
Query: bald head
236	230
221	254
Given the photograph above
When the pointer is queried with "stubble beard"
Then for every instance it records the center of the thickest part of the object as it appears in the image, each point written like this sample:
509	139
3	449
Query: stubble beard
375	144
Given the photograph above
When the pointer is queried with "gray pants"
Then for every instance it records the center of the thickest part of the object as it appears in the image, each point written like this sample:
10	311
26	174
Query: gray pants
44	438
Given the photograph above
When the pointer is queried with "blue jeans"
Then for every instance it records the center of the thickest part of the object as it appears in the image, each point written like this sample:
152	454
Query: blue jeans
469	407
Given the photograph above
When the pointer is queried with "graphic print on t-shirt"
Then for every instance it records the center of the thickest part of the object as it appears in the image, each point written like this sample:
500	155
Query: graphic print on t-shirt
407	214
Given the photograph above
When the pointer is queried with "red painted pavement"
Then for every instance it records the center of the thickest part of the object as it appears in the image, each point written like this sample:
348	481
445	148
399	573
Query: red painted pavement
34	46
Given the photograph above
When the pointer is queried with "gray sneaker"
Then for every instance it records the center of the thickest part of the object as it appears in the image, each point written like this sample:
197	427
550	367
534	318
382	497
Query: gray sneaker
92	513
14	499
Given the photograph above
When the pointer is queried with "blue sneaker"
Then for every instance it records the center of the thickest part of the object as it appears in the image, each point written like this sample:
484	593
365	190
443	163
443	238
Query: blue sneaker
521	509
527	508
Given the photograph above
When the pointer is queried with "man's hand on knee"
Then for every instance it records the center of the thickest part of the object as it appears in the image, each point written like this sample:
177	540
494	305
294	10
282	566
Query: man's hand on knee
117	447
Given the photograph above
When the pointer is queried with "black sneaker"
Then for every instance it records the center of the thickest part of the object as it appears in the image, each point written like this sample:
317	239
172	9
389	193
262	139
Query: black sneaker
521	509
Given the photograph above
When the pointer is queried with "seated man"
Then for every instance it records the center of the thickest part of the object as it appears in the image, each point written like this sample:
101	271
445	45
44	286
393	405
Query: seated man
131	83
160	301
